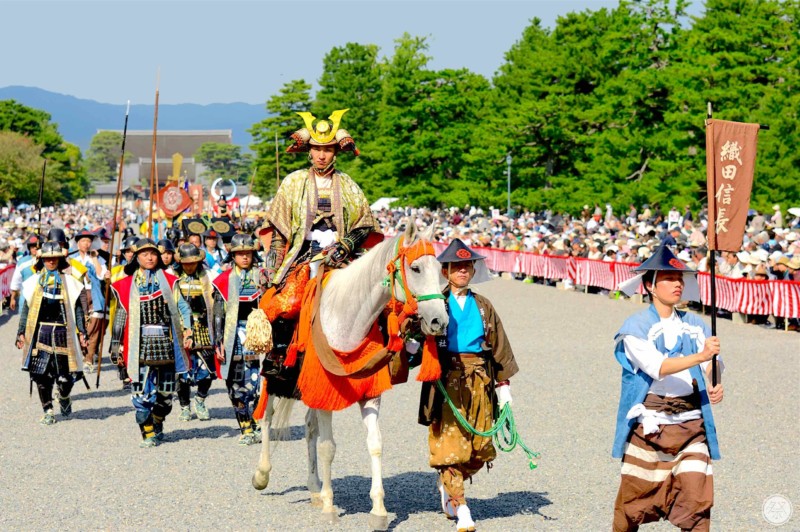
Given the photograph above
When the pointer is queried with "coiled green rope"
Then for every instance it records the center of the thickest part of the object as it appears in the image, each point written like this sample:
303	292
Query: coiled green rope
503	431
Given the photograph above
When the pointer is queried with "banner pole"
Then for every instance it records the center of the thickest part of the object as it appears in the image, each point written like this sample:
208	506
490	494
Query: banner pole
712	266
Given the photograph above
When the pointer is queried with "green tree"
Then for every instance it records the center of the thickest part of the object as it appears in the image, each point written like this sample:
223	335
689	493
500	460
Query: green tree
102	157
66	179
282	120
742	56
225	160
351	79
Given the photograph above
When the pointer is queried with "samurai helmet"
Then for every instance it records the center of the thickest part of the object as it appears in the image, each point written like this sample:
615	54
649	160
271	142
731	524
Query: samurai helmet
323	133
189	253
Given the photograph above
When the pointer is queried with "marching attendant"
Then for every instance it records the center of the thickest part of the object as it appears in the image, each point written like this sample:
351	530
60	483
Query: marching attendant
153	325
195	287
94	302
477	363
167	250
665	429
24	269
237	293
215	255
51	329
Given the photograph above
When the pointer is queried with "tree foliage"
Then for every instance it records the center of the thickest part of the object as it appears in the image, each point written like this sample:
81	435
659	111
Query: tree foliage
225	160
282	121
27	133
102	157
607	106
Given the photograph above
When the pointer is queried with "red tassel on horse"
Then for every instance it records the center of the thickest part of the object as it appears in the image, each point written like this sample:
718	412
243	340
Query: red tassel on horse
430	369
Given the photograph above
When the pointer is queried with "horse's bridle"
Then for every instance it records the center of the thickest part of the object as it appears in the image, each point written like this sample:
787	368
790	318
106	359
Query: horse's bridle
404	256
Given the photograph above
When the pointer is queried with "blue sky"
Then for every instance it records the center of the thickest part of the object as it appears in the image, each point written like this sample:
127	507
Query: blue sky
229	51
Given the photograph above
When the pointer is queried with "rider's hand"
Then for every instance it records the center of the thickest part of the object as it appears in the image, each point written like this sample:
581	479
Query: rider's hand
337	255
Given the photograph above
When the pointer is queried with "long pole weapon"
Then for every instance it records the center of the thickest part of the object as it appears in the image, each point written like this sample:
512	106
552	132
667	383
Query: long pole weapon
41	194
277	165
153	165
113	235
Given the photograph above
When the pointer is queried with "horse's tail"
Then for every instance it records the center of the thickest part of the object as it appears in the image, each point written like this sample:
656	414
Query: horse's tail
280	418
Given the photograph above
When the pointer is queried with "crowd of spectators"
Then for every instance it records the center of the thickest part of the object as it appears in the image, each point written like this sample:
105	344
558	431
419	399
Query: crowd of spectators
771	247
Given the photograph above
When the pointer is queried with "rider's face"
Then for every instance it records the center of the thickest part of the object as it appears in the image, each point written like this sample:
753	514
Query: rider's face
322	156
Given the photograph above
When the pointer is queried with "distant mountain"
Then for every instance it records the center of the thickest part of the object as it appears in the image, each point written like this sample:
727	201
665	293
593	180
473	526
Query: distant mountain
78	119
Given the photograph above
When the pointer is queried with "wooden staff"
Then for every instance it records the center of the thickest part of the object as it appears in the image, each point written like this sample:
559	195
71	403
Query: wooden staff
111	245
277	164
41	195
153	165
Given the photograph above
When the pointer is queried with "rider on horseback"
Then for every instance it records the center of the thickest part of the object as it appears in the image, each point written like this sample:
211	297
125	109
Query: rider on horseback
315	210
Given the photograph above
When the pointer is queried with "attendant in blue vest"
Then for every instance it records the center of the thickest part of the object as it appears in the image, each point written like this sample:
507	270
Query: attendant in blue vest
24	269
477	363
665	432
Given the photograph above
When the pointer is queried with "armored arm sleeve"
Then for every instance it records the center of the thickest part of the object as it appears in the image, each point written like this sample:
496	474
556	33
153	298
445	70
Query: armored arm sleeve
185	310
23	317
118	327
80	318
276	254
219	319
355	238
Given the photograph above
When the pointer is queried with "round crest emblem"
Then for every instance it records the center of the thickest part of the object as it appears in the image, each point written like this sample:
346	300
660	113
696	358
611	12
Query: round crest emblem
675	263
221	226
196	227
463	254
172	198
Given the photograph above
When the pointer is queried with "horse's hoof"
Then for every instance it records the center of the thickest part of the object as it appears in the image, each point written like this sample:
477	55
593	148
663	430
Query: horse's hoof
378	522
330	518
260	480
316	500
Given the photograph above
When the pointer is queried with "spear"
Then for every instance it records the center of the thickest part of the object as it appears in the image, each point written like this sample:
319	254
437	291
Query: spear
111	245
153	165
41	194
277	164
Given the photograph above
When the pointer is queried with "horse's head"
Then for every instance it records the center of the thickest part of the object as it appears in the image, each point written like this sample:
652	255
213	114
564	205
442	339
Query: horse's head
421	277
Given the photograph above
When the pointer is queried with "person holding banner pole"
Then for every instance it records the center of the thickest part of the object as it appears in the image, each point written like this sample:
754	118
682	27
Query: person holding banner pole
665	431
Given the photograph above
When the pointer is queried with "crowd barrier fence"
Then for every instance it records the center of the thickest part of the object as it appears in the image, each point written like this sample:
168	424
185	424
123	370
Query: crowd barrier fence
744	296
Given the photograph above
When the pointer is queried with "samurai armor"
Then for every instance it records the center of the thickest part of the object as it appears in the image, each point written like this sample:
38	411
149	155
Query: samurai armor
200	335
154	312
156	347
38	362
52	338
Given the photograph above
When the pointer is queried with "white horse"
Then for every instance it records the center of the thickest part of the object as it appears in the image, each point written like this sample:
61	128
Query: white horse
350	304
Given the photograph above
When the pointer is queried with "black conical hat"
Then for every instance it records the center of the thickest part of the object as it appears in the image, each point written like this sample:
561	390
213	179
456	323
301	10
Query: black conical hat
663	260
458	251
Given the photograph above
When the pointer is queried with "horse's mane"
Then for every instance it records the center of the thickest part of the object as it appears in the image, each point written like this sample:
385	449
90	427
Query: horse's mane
355	284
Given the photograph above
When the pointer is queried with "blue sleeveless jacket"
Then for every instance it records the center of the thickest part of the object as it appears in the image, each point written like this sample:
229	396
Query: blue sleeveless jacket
636	384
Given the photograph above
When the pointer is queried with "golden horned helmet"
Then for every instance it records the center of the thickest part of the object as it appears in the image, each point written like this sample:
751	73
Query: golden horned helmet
324	133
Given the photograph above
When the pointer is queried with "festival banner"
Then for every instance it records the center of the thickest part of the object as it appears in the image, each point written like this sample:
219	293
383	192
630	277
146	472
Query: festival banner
730	165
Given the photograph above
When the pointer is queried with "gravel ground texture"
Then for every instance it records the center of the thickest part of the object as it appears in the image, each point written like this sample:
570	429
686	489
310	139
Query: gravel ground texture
88	473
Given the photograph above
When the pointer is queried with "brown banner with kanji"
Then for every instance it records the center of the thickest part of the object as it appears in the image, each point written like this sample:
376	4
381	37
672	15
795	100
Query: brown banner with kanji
730	165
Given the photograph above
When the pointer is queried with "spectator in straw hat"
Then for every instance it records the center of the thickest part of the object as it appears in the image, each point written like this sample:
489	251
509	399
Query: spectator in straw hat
777	219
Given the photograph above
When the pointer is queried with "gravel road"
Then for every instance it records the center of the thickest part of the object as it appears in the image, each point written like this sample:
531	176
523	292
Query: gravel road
89	473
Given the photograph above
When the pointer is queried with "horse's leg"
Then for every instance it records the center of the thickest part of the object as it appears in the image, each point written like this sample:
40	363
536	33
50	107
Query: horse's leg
370	410
312	435
327	450
260	478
